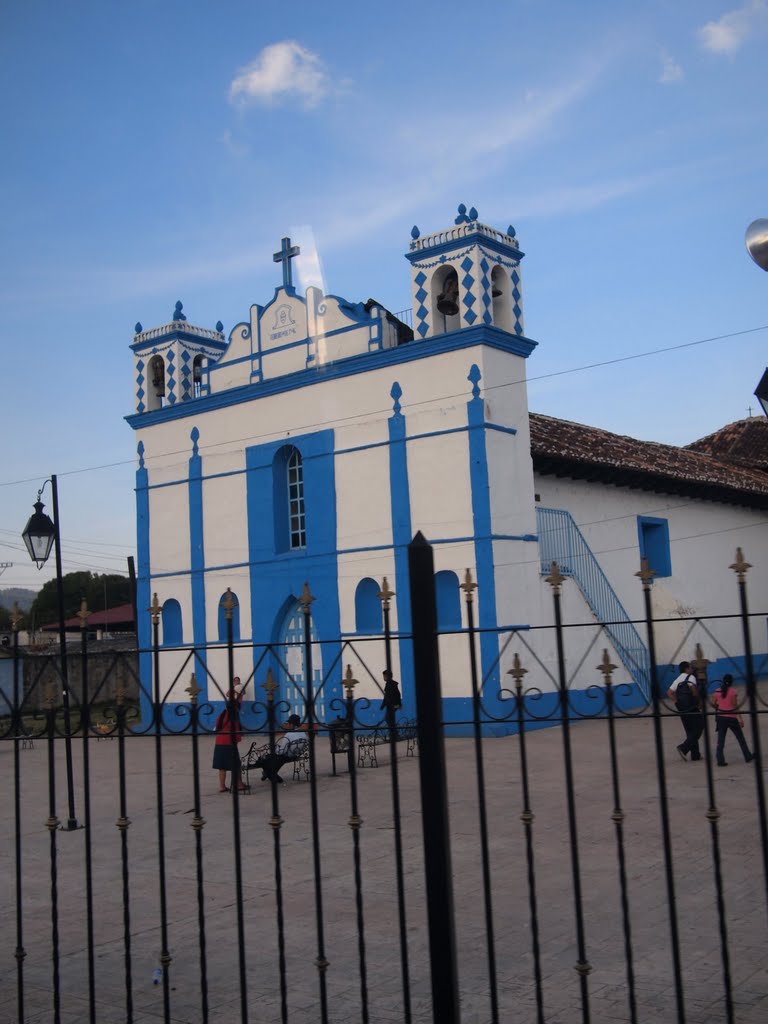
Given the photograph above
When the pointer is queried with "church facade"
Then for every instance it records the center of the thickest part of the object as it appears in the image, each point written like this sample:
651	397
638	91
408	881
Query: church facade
310	444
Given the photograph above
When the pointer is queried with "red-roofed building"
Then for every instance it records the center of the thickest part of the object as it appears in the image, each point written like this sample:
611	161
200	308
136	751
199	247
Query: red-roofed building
110	620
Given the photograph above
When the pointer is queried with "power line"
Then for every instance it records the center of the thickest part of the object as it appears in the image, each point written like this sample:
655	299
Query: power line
406	405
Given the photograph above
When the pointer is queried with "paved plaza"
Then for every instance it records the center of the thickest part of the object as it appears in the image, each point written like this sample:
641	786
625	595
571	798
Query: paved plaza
365	965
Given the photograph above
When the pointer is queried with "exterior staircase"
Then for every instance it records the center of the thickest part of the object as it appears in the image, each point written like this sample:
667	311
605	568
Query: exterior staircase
561	541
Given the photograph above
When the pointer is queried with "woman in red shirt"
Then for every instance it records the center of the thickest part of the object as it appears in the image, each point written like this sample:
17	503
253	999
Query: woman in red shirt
226	756
726	704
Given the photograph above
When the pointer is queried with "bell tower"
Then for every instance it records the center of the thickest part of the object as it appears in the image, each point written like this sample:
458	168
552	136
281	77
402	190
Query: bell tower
465	276
171	362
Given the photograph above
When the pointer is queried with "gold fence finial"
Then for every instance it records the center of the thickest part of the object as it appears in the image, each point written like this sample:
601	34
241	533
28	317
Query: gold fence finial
517	672
385	595
306	598
228	603
740	566
193	689
606	668
155	610
83	614
15	617
700	663
349	682
646	573
469	585
270	685
555	578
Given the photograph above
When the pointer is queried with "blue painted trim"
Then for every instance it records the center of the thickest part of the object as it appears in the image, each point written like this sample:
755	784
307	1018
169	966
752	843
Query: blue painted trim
197	559
660	557
480	489
402	534
453	341
502	430
172	336
143	589
472	239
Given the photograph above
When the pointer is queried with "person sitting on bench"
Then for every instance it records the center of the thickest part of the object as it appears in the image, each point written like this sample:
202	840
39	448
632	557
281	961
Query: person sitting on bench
285	748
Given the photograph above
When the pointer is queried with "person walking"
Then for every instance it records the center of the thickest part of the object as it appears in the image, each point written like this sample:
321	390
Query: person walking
226	756
685	694
725	701
392	701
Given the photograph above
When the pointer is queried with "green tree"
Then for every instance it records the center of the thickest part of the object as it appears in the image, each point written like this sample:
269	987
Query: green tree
98	591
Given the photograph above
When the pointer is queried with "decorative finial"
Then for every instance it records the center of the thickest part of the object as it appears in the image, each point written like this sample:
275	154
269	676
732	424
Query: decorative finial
385	595
219	326
462	218
511	231
193	689
349	682
472	213
177	314
415	232
646	573
555	578
306	598
83	614
228	603
137	328
740	566
270	685
469	585
606	668
517	672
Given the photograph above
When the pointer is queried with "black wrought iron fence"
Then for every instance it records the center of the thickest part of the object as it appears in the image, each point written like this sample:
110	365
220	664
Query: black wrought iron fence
580	872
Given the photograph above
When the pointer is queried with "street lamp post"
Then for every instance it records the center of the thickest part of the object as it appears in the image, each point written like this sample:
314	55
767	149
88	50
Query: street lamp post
40	535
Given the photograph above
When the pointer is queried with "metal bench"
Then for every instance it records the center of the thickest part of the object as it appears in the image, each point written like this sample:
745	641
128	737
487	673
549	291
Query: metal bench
296	754
367	742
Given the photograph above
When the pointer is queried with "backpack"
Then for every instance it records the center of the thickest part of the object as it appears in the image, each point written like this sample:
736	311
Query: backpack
684	696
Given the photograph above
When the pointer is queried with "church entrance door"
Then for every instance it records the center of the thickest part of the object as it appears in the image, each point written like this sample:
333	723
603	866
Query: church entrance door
291	650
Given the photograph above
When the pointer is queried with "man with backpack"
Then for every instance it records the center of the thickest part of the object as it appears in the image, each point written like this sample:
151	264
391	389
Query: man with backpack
685	694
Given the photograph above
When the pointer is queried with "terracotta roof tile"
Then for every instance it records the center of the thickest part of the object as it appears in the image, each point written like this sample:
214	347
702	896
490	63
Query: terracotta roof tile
744	442
563	448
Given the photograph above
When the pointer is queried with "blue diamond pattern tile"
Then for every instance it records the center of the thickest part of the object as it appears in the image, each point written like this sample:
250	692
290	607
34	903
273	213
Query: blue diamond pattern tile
470	317
140	393
422	329
420	295
420	278
466	263
140	365
468	280
516	294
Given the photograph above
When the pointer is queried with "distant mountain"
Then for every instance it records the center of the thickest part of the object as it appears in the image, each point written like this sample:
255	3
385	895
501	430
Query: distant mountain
20	595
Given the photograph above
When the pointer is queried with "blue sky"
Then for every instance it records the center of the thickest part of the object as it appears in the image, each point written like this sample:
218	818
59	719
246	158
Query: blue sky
159	150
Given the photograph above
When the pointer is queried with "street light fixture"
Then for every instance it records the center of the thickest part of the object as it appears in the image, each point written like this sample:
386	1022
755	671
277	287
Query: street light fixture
40	535
757	242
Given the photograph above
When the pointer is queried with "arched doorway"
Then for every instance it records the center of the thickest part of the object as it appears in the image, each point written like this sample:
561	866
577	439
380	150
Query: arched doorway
293	682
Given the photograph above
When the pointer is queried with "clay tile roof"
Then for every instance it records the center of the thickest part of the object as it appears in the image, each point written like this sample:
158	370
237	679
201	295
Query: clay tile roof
744	442
563	448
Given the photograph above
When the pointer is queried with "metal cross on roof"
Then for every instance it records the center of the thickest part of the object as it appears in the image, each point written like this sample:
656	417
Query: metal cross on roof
286	254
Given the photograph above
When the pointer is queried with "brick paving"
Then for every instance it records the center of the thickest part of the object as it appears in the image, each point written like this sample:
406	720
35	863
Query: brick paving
380	979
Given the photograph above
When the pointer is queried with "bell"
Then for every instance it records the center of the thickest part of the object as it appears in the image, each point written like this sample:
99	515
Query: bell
496	292
446	305
446	300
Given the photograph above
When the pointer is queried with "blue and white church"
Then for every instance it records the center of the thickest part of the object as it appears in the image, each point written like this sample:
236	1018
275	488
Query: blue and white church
311	444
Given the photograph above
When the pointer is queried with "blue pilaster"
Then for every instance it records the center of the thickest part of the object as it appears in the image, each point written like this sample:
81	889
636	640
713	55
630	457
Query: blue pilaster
400	499
143	587
197	559
481	514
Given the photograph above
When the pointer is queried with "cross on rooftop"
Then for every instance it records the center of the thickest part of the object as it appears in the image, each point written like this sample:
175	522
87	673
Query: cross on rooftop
286	254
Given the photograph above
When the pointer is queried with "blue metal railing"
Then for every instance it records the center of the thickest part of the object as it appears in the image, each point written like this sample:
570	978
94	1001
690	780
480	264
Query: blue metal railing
561	541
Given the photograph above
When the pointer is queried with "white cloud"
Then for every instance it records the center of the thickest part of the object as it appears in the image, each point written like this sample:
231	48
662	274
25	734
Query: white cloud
670	71
282	71
733	29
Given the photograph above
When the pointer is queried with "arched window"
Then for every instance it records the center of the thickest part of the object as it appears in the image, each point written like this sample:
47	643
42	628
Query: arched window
501	299
171	616
447	599
445	300
288	495
197	375
368	614
223	620
156	383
